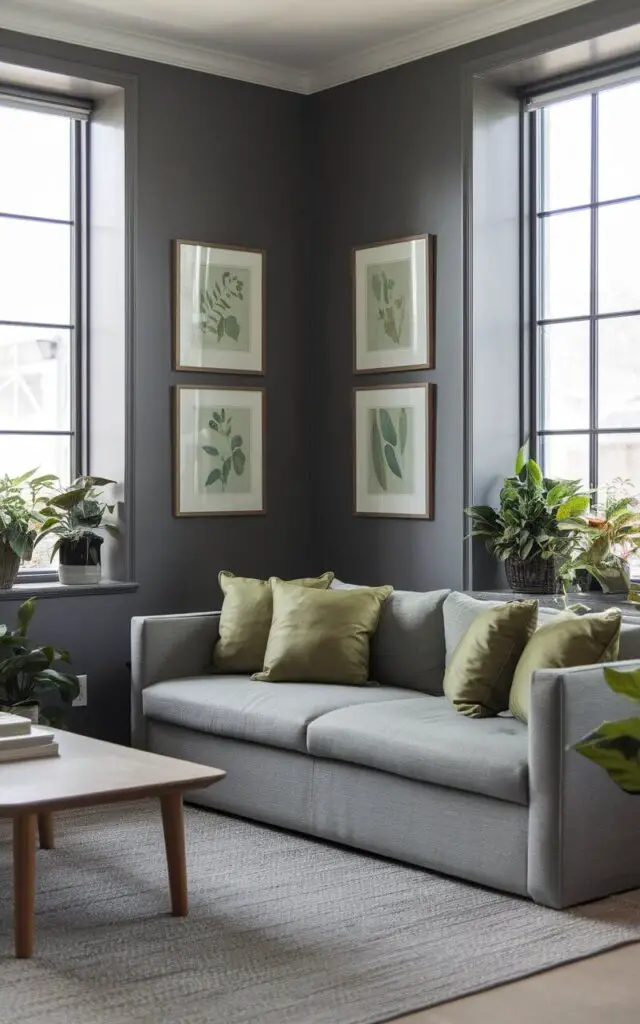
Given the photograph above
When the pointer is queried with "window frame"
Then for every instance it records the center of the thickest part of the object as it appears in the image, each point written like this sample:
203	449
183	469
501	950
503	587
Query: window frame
536	219
79	275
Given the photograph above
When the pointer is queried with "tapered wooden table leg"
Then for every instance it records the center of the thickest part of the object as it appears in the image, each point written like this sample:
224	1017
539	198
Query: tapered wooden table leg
173	825
45	831
24	882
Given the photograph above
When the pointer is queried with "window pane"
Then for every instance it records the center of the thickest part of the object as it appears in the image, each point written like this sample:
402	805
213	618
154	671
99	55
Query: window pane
619	372
564	375
619	156
566	457
35	170
566	174
18	454
619	456
35	271
619	257
566	262
35	379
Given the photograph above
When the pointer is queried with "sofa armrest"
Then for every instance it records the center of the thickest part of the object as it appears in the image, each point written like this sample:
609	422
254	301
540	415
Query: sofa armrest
584	832
167	647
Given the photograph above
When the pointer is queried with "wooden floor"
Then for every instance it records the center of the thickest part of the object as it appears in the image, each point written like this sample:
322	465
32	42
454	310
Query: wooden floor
602	990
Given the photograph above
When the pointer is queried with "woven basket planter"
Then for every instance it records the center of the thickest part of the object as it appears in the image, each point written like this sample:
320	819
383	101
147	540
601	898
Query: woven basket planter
537	576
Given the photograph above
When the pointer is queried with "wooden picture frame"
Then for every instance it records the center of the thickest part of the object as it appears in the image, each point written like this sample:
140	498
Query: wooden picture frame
394	444
219	308
393	285
218	438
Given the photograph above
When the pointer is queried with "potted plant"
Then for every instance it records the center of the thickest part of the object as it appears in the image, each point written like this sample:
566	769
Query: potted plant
525	531
75	515
615	746
28	670
605	538
21	498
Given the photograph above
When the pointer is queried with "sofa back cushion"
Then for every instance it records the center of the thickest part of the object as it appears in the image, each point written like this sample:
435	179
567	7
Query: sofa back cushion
408	648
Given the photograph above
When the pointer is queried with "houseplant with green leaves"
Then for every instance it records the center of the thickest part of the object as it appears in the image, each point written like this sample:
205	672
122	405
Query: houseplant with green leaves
525	532
77	516
605	539
615	746
30	670
21	501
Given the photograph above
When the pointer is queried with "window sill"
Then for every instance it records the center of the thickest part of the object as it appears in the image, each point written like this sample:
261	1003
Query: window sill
53	588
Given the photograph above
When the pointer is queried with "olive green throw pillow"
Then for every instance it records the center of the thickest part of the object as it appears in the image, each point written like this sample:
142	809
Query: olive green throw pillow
245	620
321	636
566	643
479	675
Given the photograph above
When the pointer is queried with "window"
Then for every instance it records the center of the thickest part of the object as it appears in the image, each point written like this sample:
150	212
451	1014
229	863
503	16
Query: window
587	239
42	296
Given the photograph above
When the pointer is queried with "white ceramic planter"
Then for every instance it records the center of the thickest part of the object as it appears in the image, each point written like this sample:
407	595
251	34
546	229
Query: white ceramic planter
79	575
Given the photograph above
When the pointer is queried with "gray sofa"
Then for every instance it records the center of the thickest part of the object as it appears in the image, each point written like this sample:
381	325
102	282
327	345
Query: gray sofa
392	768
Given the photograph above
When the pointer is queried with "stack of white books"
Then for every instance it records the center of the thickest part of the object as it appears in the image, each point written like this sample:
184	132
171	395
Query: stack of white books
22	741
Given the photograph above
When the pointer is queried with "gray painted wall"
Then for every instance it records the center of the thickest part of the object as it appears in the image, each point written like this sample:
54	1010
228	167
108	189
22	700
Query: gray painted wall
392	157
221	161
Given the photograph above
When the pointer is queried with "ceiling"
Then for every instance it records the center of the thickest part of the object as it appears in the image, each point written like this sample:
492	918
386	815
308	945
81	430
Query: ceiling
301	45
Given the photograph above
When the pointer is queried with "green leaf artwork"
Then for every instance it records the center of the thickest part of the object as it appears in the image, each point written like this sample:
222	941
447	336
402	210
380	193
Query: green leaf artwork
229	451
223	305
389	453
389	305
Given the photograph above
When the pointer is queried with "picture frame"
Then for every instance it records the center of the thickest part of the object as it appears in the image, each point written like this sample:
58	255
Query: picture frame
394	305
394	451
219	308
218	450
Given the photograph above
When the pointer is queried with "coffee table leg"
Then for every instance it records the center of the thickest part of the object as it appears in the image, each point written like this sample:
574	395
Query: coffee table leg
24	882
45	831
173	825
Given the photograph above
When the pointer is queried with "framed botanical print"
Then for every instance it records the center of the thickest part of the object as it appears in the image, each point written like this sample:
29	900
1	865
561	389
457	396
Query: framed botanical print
394	311
218	448
394	447
219	308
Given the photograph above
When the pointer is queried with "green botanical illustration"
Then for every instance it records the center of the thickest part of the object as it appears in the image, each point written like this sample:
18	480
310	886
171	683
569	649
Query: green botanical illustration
224	306
391	451
229	429
615	746
389	309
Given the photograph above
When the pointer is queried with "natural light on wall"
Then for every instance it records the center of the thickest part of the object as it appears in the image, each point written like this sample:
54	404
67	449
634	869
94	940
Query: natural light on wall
37	315
588	252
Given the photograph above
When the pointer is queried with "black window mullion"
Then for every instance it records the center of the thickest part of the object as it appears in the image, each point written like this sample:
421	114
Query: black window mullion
593	322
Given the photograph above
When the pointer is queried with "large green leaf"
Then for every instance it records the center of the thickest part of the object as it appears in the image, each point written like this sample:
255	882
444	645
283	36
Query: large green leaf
236	441
521	458
387	428
214	475
624	682
615	746
534	472
392	461
25	615
377	457
573	507
239	460
403	429
209	450
232	327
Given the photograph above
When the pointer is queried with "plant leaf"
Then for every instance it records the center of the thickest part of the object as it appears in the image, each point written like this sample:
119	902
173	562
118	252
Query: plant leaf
376	284
239	461
627	683
573	507
403	428
232	327
392	461
226	470
376	453
25	615
521	458
534	472
615	746
209	450
214	475
387	428
236	441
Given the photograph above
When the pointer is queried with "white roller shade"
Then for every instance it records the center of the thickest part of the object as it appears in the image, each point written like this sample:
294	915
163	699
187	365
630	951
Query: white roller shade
65	106
544	99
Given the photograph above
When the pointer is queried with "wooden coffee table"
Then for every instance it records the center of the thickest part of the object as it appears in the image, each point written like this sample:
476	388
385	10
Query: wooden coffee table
90	772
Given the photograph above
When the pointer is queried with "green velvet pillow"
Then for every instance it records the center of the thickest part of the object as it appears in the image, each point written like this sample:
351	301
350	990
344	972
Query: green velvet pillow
321	636
245	620
479	675
570	641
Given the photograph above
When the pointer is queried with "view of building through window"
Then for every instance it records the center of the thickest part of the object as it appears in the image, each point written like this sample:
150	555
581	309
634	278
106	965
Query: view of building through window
588	231
37	321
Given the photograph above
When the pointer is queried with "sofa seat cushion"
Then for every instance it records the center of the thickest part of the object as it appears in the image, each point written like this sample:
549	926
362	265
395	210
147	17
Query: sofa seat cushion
426	739
267	713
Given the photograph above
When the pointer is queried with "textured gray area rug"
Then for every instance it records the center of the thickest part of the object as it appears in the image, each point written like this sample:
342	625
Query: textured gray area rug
282	930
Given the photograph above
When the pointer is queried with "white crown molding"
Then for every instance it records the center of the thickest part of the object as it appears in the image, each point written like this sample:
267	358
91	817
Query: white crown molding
500	17
19	16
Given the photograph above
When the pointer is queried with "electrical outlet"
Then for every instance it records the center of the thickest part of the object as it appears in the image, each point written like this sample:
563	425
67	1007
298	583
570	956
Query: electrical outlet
81	699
